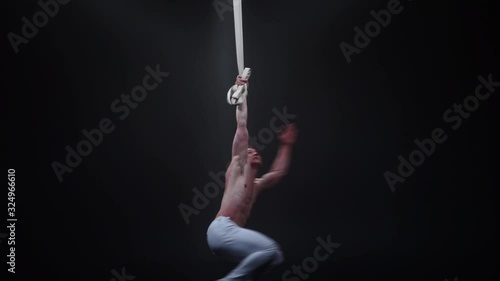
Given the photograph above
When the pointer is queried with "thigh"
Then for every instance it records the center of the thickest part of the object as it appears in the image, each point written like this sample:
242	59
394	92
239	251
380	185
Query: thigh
247	241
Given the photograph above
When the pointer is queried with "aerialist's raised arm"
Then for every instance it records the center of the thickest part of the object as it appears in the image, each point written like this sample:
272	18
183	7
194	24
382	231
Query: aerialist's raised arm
240	142
283	157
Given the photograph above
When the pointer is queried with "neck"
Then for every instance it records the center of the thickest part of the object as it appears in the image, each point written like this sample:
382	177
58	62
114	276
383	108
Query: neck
254	169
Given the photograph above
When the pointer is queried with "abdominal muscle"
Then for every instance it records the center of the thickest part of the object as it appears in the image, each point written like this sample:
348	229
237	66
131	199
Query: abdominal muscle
239	194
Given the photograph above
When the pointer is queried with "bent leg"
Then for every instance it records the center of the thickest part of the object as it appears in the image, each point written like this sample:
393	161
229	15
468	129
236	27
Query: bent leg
258	252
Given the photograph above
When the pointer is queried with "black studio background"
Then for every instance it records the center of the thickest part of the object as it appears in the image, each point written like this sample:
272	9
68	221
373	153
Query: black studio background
118	210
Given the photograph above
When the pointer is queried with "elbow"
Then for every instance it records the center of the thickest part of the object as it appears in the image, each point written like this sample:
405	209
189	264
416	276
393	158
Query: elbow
241	121
283	171
280	174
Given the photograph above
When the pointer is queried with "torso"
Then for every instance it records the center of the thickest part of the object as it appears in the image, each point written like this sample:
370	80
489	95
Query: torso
239	194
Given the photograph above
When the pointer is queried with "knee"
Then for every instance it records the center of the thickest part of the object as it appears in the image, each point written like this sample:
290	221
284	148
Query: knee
277	254
278	257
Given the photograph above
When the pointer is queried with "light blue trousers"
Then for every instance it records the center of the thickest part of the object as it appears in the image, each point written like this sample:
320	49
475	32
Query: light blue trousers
255	252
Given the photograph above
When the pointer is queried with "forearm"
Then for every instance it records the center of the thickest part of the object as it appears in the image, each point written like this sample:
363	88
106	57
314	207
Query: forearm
282	159
240	142
241	113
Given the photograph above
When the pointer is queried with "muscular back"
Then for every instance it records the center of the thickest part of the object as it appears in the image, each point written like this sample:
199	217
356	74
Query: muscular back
240	192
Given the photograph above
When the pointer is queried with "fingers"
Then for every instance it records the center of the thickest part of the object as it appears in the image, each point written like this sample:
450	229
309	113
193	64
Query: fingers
287	130
289	127
240	81
283	129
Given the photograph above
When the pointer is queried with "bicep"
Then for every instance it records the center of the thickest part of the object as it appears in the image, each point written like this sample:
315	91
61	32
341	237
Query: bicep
240	143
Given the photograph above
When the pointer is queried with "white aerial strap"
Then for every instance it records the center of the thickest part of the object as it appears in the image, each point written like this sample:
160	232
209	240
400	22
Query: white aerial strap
236	94
238	32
